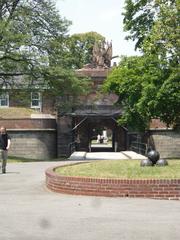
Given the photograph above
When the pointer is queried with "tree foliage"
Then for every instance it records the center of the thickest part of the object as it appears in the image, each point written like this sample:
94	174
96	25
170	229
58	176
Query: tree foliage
127	82
146	90
81	46
26	30
141	17
33	49
149	86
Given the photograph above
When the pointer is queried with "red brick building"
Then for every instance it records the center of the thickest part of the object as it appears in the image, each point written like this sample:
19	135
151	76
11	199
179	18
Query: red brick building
38	132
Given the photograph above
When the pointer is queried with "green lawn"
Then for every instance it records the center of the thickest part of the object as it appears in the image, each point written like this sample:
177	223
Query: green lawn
125	169
16	112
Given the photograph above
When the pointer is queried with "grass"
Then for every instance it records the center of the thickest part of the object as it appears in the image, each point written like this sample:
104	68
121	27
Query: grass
125	169
16	112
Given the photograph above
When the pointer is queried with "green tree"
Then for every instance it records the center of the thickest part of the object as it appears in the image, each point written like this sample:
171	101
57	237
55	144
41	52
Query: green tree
164	37
26	30
141	16
128	82
33	49
168	99
146	90
149	86
164	42
138	19
80	48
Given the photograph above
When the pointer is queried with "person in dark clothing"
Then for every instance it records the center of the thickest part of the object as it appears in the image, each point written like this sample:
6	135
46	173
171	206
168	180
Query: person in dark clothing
5	142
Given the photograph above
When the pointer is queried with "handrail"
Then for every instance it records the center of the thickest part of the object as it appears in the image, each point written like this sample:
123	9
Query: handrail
139	147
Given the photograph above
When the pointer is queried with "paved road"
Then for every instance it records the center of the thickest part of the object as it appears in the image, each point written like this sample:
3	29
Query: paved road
28	211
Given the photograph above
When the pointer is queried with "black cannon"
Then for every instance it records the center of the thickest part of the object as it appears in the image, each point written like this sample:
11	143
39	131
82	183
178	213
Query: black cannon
153	159
153	156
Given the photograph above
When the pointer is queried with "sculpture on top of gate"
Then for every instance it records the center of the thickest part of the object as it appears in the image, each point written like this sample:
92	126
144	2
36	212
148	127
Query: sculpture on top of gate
102	54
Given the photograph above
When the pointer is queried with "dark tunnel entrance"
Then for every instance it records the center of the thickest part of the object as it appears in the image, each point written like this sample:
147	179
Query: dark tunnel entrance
99	134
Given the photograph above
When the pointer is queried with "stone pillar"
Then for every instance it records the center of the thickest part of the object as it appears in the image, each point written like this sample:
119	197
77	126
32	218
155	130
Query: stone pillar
84	136
64	136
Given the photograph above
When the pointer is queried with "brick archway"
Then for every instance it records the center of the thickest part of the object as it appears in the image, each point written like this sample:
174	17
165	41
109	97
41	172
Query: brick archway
86	128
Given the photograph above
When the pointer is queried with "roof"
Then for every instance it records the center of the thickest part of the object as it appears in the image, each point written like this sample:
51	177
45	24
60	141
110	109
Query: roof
93	72
96	111
157	124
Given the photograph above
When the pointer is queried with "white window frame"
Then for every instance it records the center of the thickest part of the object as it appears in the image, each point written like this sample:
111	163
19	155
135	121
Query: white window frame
38	99
4	97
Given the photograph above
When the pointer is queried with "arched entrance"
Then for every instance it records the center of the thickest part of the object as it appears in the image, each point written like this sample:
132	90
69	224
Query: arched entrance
99	134
96	114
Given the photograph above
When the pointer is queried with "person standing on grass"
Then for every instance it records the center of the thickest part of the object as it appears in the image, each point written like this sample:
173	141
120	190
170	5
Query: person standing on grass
5	142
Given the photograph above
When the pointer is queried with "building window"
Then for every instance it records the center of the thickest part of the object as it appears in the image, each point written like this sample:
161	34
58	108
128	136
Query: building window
4	100
36	100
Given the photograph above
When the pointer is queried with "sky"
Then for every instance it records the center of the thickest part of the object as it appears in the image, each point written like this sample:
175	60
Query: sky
101	16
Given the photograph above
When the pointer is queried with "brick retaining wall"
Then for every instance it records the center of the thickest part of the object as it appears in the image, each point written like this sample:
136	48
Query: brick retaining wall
157	189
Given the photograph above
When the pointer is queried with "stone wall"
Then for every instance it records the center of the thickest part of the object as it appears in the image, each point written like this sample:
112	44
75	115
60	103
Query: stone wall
33	143
166	142
32	138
